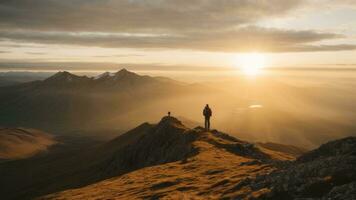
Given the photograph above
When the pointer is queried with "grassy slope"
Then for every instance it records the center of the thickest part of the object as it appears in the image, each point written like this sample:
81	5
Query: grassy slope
217	171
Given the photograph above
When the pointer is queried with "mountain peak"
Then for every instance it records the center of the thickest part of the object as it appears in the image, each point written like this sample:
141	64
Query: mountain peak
64	77
63	73
121	75
125	72
170	120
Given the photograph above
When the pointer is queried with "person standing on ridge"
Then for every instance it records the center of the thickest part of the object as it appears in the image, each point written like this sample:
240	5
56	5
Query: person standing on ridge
207	114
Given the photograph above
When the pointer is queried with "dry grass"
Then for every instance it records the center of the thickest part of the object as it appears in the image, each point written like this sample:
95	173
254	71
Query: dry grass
213	173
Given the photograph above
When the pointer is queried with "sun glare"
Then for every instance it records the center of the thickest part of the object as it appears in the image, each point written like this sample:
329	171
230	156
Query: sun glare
251	64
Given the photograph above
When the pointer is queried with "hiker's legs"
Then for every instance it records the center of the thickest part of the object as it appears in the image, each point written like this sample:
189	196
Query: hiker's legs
208	121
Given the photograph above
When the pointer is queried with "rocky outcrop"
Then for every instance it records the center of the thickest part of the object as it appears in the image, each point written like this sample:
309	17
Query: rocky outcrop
325	173
342	147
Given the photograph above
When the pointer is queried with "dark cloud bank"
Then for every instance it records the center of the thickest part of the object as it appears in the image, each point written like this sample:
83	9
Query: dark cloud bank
208	25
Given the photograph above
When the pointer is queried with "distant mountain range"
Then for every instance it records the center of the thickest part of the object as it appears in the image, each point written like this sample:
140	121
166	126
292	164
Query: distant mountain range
169	160
66	101
107	80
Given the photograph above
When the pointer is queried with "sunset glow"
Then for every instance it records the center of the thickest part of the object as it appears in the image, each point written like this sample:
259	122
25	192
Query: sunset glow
251	64
177	99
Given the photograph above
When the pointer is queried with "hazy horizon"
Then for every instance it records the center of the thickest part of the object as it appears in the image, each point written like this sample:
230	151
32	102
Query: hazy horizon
198	75
291	106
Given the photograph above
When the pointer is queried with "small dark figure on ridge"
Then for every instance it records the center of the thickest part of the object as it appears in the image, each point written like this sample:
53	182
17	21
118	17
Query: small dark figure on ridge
207	114
169	114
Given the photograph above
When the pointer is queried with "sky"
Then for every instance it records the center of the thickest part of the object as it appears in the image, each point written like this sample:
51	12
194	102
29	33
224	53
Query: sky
180	34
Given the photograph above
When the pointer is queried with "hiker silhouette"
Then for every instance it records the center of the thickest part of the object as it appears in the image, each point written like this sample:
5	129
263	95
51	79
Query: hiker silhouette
207	114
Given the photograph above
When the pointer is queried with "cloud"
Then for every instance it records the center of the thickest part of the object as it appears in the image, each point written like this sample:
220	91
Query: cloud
205	25
310	48
105	66
242	39
137	15
36	53
332	3
118	55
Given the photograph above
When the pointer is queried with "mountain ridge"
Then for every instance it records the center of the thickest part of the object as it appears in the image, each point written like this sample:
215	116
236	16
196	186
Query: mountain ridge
327	174
119	77
145	146
170	161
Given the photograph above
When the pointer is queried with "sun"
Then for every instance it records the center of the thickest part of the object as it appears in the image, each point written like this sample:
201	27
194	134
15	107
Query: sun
251	64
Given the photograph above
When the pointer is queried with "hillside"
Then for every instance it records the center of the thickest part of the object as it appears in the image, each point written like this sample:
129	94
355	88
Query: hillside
206	158
170	161
223	167
149	146
16	143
